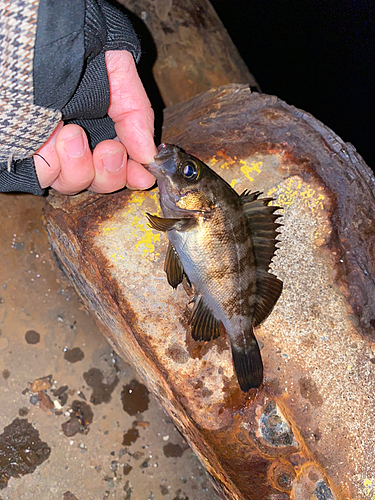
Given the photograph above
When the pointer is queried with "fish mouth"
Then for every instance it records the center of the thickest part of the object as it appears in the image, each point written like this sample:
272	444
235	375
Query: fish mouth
165	152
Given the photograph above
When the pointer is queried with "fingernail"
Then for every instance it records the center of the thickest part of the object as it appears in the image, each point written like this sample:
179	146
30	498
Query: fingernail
145	186
114	160
75	145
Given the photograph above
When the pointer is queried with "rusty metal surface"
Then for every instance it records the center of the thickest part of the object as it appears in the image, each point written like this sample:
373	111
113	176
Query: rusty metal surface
193	49
309	432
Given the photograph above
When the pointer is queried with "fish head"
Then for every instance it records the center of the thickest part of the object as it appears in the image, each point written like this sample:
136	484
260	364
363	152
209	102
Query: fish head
185	182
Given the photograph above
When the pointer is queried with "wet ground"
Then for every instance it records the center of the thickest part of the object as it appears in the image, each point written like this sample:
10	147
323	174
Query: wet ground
75	422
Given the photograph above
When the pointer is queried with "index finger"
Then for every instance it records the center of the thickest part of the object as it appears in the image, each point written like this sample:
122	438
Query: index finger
130	107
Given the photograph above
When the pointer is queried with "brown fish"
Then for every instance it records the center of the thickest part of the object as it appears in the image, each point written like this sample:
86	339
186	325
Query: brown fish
224	244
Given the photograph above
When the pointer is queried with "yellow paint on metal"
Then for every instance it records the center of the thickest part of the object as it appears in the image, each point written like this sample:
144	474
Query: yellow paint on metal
137	199
233	183
222	157
141	235
369	488
116	256
293	189
148	239
246	169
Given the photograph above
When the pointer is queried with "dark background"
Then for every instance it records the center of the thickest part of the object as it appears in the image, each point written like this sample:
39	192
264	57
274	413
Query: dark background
316	55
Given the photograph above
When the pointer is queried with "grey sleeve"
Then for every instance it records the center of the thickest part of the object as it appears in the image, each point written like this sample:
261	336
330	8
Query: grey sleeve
53	54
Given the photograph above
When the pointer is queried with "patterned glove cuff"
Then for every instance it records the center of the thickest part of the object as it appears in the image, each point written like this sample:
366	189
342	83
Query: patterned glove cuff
24	126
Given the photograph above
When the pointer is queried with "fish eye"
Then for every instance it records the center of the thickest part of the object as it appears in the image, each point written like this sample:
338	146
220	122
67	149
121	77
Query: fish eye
189	170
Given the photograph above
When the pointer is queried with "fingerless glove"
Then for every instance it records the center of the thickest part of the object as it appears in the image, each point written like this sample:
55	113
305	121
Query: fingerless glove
52	57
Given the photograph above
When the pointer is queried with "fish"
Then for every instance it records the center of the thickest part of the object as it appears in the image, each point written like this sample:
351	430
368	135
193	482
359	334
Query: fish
223	243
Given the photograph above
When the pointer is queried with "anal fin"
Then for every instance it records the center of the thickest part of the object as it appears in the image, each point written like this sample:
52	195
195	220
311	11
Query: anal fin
204	325
173	267
269	289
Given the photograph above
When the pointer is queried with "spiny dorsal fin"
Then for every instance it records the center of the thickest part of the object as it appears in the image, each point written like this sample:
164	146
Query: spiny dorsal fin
263	226
263	229
269	289
162	224
173	267
204	325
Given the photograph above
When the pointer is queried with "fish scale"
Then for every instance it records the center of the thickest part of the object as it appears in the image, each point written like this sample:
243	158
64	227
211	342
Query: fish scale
224	244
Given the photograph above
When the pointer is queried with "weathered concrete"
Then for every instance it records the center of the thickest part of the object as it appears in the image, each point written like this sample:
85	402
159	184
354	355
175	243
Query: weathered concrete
132	452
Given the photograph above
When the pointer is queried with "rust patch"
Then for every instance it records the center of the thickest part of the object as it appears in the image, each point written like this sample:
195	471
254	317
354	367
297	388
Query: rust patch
177	354
309	390
236	456
312	483
281	475
268	430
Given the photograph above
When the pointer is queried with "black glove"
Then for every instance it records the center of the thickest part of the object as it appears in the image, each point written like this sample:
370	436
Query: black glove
66	79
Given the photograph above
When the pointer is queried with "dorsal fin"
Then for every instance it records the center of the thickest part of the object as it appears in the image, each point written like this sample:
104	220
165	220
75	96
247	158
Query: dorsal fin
263	226
263	229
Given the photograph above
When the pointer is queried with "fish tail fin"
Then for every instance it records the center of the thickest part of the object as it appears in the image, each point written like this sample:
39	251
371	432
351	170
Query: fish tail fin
248	365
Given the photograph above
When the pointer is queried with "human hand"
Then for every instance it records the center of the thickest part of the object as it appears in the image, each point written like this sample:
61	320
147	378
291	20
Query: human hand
65	161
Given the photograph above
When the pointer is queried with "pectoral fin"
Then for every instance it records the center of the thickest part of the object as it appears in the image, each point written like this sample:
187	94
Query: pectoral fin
173	267
204	325
162	224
